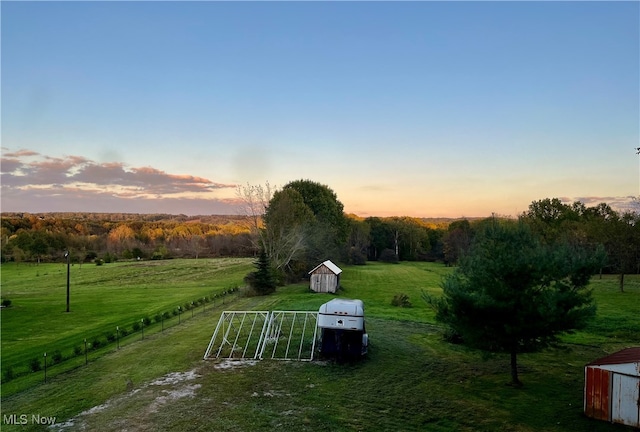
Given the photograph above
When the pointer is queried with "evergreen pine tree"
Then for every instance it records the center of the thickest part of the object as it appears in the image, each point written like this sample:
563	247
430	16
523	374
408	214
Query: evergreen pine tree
512	294
262	280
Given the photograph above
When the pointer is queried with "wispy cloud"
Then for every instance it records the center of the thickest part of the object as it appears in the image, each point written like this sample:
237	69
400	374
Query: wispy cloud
618	203
35	182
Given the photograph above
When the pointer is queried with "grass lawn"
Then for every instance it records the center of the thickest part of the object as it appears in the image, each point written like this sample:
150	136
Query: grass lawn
102	297
410	380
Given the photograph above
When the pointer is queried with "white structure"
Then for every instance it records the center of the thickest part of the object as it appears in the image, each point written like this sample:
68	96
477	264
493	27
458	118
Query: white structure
342	328
612	388
325	278
277	335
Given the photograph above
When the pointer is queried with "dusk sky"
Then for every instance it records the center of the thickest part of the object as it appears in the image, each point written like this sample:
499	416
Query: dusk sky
429	109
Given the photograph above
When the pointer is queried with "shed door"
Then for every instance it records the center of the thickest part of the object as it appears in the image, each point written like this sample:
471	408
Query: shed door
596	404
625	400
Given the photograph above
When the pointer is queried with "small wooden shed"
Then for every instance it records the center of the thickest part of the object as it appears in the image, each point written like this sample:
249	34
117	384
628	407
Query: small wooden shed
612	388
325	278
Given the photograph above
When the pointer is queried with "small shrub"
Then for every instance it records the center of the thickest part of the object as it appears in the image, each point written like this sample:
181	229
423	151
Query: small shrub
166	315
136	326
111	337
34	364
123	332
187	306
6	302
388	256
157	318
356	257
8	374
401	300
96	343
452	336
99	262
77	350
174	312
56	357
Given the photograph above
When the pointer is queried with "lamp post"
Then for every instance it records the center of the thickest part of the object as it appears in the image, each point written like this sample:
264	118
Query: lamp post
66	255
179	313
118	337
45	367
86	358
142	321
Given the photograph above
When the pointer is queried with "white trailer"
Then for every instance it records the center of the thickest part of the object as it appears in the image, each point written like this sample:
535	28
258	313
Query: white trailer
342	329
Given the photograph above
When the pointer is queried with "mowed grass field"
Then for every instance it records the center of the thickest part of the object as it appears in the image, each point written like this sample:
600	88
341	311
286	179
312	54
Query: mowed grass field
101	298
411	379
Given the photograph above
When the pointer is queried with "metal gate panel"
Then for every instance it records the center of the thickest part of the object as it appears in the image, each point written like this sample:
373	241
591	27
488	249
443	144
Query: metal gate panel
278	335
238	335
290	335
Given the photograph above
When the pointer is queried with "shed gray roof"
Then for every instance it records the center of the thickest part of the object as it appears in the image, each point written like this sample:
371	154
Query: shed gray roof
331	266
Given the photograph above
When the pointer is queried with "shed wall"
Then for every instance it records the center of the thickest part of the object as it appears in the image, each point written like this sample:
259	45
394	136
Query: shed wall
612	396
596	395
324	282
625	400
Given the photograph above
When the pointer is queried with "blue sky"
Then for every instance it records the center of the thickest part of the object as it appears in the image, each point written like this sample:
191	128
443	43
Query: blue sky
417	108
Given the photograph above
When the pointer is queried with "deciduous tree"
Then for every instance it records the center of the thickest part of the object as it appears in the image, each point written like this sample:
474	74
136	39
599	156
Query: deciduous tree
287	221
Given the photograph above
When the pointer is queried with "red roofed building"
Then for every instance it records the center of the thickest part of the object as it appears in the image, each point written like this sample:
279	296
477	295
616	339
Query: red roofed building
612	388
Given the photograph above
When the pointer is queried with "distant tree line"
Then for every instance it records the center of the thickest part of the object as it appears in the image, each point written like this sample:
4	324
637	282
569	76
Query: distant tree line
299	225
107	237
303	223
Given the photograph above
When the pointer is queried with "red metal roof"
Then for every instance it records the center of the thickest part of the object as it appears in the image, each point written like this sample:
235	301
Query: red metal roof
627	355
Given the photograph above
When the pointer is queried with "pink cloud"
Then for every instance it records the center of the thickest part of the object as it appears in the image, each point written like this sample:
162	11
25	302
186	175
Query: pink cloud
21	153
46	183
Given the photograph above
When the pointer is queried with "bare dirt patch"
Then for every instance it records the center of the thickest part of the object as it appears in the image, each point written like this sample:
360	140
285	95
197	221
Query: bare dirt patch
145	400
233	364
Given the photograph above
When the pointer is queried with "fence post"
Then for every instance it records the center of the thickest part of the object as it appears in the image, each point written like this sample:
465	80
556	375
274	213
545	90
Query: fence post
118	337
45	367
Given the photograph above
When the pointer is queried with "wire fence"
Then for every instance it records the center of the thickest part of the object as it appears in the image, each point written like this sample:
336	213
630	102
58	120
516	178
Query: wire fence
95	345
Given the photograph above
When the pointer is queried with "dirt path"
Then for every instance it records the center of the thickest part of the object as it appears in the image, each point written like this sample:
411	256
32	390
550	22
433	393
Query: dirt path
135	410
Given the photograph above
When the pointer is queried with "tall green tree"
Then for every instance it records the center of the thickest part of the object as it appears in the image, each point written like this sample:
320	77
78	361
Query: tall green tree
553	220
358	242
456	241
307	220
324	204
286	231
623	245
513	294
